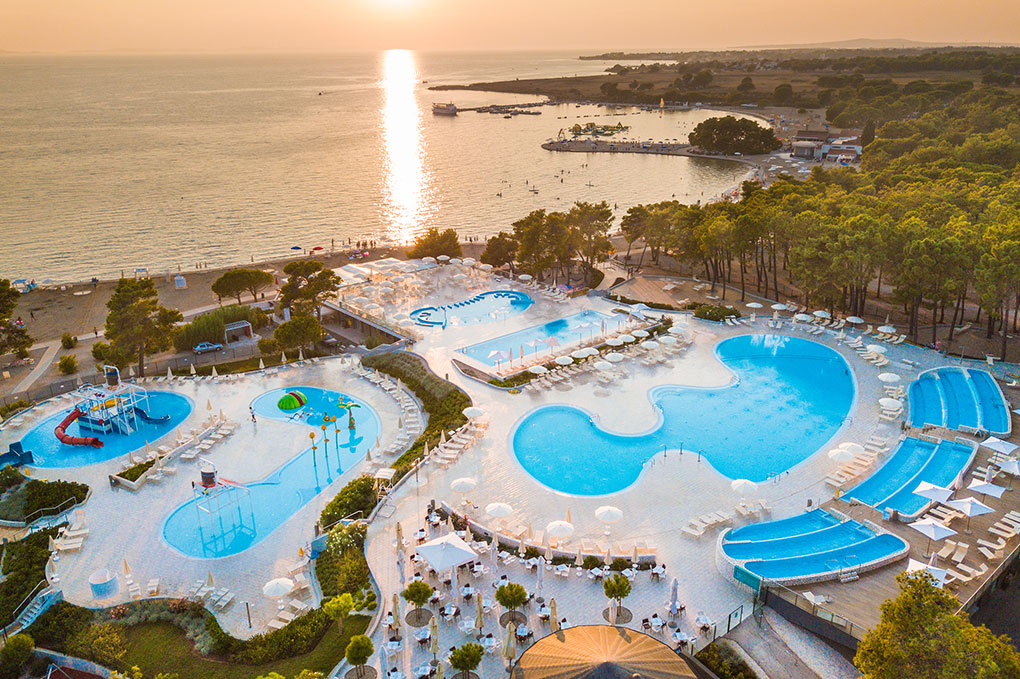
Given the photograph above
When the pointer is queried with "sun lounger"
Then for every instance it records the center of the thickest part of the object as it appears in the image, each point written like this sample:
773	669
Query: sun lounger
276	624
974	572
153	587
693	530
959	576
947	549
68	545
961	552
991	555
1001	531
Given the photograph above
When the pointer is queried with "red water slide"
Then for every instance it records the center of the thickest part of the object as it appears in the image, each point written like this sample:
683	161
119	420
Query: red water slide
59	432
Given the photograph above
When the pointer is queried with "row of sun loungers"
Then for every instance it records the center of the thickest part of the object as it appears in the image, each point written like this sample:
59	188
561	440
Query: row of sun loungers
697	527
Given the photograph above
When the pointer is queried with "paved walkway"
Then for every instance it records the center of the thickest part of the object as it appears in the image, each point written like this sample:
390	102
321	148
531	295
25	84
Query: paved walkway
41	366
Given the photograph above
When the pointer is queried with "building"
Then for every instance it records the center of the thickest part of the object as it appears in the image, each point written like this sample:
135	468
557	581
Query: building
843	147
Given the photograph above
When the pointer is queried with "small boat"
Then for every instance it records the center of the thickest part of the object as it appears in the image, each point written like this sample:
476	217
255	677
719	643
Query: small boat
444	109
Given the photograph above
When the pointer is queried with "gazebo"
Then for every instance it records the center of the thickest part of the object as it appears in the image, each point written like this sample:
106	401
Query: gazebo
600	652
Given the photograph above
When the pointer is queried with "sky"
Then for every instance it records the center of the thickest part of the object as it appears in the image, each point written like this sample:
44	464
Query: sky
451	25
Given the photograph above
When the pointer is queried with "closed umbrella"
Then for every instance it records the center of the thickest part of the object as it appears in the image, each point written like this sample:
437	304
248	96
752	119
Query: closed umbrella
479	616
554	620
520	545
399	536
933	530
509	646
396	606
494	551
579	559
192	369
970	507
434	634
541	576
210	582
673	596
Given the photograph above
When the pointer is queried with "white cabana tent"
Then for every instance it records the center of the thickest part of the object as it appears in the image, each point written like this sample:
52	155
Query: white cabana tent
447	552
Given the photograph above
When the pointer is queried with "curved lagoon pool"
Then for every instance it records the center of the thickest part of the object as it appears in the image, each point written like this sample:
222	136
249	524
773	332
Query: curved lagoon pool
487	306
791	396
244	519
47	451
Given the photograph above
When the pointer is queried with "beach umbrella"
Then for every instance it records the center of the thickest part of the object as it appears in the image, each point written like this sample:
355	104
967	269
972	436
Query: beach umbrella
627	338
563	360
579	353
821	313
603	365
1011	467
855	448
640	333
608	514
890	403
876	348
778	307
802	317
743	486
841	455
498	510
651	345
676	330
933	492
471	412
538	370
525	277
278	588
541	575
262	364
396	606
559	529
579	559
614	342
886	329
998	445
854	320
479	615
938	574
888	378
554	619
754	305
399	535
933	530
214	373
668	340
970	507
985	488
614	357
464	484
169	373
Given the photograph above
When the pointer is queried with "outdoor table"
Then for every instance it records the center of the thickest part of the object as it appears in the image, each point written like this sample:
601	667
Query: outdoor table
680	637
394	674
450	611
392	647
420	535
496	584
478	569
466	626
703	622
436	597
388	620
656	622
544	612
596	572
531	563
467	591
628	573
488	643
562	568
523	632
423	670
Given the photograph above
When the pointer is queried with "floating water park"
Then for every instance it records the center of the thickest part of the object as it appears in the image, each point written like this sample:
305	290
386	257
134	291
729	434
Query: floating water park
521	431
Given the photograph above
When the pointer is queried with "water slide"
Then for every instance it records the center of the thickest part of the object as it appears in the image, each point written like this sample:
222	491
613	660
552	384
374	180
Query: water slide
145	417
59	432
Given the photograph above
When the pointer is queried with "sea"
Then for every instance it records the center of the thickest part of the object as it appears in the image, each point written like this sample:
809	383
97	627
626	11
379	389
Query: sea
110	164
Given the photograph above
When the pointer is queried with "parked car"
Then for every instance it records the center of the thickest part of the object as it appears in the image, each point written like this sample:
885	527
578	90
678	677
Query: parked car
206	347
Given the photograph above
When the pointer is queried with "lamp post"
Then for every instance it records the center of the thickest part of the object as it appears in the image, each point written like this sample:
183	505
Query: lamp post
325	450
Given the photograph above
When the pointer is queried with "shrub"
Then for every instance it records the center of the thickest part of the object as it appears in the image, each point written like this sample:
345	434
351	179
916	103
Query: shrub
103	644
10	477
358	495
60	622
14	407
100	351
268	345
511	596
616	586
619	564
43	495
712	312
373	341
359	650
210	327
596	278
591	562
24	567
68	341
15	655
724	663
417	593
68	364
134	473
443	401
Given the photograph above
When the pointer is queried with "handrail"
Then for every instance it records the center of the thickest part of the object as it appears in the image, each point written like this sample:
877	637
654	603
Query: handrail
352	515
20	608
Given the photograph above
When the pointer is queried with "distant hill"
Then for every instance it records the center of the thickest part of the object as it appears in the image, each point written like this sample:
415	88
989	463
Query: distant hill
873	44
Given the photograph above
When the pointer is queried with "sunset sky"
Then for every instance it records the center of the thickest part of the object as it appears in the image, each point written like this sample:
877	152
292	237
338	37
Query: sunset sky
355	25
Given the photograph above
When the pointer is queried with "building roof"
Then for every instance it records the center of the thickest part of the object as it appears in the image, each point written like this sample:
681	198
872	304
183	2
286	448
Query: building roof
811	135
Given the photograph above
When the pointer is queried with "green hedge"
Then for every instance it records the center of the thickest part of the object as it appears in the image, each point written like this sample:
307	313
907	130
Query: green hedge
14	407
299	636
10	477
358	495
712	312
724	663
209	327
134	473
444	402
24	567
41	495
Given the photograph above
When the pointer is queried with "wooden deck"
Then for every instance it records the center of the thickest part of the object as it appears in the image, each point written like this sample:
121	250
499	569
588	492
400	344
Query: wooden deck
859	601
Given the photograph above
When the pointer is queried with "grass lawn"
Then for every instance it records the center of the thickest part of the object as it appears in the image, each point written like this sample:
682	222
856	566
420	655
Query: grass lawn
162	647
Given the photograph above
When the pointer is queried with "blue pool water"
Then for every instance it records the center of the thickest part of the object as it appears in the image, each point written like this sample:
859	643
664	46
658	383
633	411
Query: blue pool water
942	468
547	339
952	397
908	459
783	528
291	486
487	306
831	561
994	413
814	544
792	395
47	451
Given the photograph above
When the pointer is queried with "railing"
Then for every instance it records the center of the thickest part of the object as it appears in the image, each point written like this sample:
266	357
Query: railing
23	606
844	624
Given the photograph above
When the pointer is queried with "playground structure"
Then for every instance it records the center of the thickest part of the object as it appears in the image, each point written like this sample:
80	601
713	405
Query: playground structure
113	407
223	509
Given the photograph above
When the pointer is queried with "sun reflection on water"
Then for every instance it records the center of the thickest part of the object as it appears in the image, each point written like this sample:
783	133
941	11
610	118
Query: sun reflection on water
406	183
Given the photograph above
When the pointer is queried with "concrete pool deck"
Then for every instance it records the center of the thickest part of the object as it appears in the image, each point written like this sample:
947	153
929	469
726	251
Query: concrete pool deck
128	526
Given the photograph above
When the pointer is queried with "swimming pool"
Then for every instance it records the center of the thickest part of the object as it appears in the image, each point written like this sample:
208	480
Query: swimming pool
955	398
809	547
914	460
792	395
543	340
48	452
487	306
290	487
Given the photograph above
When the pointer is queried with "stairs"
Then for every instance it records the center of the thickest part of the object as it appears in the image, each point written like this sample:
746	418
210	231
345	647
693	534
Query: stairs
42	601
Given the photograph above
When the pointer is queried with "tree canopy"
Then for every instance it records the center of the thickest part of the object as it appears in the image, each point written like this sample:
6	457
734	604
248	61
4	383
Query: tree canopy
500	250
511	596
12	337
234	282
417	593
616	586
137	323
307	284
299	331
359	650
434	242
466	658
920	636
728	134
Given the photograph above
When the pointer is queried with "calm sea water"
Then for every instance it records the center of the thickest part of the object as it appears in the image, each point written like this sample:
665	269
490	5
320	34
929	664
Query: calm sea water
111	163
